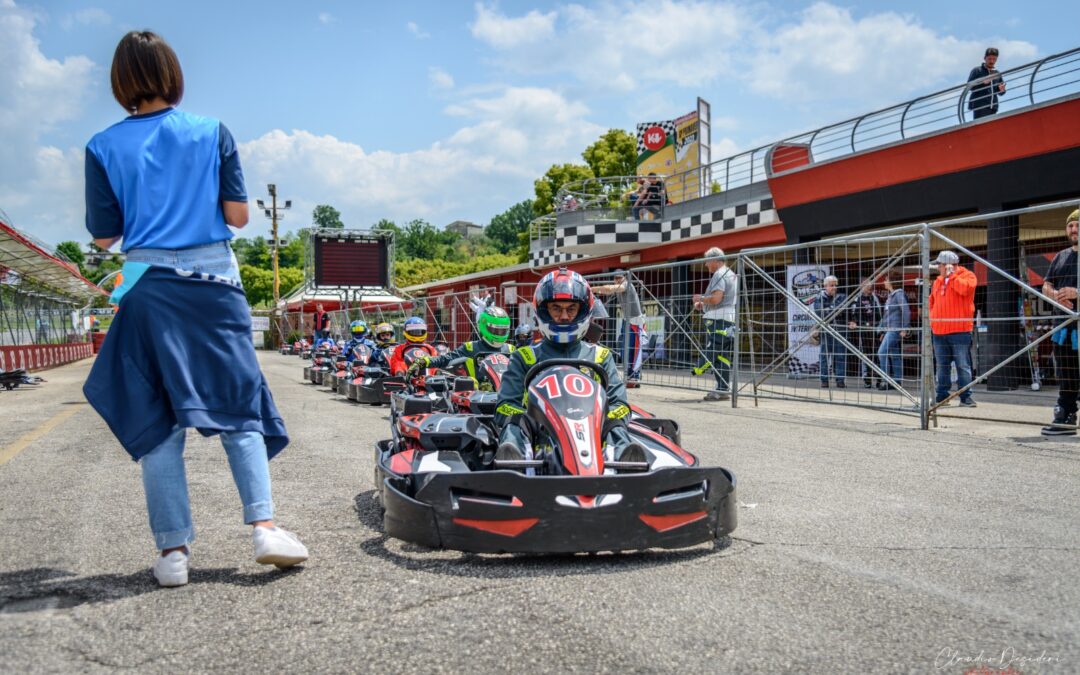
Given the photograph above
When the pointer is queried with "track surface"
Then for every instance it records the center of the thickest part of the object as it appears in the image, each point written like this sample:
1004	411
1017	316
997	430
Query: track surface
864	546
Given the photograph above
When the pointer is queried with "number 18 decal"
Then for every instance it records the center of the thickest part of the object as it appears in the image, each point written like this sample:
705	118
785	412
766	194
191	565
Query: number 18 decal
575	384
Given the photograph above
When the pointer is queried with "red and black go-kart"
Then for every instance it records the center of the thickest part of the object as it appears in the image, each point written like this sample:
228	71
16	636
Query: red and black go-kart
322	361
480	399
339	370
439	486
377	385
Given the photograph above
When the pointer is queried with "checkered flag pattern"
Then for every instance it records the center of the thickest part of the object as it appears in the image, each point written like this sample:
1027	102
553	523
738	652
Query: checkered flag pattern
669	130
797	367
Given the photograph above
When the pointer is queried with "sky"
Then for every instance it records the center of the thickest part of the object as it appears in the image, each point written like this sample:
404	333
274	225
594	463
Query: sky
450	110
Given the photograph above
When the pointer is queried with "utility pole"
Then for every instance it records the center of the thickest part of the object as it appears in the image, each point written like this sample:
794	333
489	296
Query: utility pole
273	213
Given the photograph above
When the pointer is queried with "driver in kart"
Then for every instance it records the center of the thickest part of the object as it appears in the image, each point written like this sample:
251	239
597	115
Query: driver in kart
384	344
563	303
415	336
359	330
493	327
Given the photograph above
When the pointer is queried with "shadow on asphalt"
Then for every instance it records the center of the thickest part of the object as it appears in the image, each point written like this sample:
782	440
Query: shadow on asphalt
511	566
45	588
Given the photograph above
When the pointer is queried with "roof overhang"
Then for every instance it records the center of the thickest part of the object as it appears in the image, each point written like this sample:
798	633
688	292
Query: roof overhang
29	260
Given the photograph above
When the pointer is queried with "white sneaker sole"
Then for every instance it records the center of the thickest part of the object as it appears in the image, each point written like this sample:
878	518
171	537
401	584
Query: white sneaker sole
172	580
280	560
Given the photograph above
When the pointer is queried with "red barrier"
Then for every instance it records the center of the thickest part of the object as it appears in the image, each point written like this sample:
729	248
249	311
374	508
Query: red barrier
40	357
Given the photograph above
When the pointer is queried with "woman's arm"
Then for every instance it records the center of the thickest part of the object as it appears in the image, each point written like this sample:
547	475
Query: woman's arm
236	213
105	244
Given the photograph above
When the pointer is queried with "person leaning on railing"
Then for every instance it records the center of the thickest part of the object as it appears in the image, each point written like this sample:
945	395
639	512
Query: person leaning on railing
1060	284
718	306
983	100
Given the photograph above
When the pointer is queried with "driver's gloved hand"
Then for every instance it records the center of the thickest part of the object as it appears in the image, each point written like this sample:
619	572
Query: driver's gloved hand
417	365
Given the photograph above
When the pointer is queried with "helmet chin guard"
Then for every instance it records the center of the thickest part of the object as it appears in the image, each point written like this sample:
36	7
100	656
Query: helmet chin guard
563	285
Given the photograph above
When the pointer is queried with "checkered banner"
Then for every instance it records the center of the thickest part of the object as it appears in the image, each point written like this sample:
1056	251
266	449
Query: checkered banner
668	127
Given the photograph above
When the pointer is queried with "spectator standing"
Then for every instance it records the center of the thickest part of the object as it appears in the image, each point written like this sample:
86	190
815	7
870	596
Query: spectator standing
983	98
182	189
321	323
651	198
633	330
1060	284
895	320
719	306
952	309
865	317
832	350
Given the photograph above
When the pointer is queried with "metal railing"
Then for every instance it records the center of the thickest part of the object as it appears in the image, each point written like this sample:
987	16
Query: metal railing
1050	78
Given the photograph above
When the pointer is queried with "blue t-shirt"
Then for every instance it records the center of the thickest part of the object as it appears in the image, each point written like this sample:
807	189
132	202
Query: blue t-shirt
158	181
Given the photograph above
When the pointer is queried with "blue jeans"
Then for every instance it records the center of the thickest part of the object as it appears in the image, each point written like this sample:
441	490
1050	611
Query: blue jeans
889	355
832	348
165	484
217	259
949	349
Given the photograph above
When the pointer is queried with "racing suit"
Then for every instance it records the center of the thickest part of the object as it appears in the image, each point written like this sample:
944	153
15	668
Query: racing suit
473	351
349	356
512	394
397	357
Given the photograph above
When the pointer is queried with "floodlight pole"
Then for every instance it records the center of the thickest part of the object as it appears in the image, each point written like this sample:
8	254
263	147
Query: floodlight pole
273	214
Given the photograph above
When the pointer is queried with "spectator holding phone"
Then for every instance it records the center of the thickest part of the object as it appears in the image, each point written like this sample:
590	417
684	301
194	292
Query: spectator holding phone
983	99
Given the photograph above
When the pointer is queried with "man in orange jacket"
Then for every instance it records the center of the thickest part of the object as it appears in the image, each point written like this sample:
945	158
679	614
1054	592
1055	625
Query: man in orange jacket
952	306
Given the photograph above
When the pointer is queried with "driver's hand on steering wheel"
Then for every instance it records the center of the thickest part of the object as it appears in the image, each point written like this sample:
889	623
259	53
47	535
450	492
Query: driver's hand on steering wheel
416	365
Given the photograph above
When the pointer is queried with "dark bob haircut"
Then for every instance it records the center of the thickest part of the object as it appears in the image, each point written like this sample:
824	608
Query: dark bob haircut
145	67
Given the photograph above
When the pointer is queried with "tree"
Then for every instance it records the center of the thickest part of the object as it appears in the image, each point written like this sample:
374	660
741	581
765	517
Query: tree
419	239
613	154
72	251
294	252
325	215
504	228
555	177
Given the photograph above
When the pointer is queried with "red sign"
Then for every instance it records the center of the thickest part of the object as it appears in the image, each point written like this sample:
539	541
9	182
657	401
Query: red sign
655	138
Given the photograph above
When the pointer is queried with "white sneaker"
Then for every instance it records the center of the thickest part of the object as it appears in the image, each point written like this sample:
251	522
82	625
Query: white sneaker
172	570
279	547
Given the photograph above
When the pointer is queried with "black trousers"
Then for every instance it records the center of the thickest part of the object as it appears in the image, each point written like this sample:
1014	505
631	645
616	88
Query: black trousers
1068	375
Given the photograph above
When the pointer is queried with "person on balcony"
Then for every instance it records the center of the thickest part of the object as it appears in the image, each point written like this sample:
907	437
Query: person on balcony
650	198
983	99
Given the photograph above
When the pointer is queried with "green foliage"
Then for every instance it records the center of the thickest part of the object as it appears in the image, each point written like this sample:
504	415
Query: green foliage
294	252
418	239
613	154
555	177
505	227
259	283
288	279
72	251
325	215
418	271
107	267
715	188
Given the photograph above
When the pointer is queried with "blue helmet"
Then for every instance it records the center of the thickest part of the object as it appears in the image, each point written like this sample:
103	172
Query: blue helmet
563	285
358	328
415	329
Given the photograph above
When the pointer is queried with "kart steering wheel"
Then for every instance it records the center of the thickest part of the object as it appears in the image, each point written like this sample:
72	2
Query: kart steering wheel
577	363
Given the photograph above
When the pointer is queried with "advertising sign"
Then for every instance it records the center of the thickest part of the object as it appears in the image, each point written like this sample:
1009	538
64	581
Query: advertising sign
804	282
672	148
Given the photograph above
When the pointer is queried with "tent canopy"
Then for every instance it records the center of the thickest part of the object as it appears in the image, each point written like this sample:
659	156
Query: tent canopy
19	253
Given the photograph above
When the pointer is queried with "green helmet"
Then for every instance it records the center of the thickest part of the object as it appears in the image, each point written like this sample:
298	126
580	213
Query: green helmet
493	324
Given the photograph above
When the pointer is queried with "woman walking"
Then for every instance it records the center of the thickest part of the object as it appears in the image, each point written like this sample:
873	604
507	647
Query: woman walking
179	354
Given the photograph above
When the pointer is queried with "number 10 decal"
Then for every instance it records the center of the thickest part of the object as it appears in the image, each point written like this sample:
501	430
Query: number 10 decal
574	384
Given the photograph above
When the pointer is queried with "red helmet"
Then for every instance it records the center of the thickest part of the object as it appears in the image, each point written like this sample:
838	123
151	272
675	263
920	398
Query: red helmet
563	285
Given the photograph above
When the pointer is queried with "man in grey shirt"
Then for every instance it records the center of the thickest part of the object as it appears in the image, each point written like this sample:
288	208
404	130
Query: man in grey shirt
718	305
633	333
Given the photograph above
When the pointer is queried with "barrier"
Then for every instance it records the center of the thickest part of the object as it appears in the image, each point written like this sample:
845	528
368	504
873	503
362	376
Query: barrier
41	357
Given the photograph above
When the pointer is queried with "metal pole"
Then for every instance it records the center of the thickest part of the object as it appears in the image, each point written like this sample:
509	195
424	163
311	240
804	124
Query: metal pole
927	342
274	234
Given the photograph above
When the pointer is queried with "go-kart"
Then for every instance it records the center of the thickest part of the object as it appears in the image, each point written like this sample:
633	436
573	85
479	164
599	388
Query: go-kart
338	370
321	362
440	485
481	399
377	385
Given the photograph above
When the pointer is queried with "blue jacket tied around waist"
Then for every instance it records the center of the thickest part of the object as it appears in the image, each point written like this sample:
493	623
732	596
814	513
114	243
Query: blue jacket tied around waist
158	368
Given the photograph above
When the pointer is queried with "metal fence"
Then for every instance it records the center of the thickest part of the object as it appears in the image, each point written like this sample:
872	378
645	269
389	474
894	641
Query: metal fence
31	314
791	342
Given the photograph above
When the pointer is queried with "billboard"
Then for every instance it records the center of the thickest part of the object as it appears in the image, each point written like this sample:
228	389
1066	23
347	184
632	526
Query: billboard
351	261
674	147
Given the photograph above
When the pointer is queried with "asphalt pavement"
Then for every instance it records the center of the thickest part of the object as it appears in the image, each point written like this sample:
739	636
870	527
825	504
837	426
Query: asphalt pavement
864	545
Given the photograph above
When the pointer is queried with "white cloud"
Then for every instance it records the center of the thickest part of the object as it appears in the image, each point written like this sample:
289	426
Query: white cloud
883	57
40	185
509	140
503	32
326	18
439	78
91	16
417	31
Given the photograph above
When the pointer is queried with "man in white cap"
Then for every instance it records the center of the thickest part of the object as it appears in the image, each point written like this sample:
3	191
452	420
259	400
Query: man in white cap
952	310
718	306
1060	284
